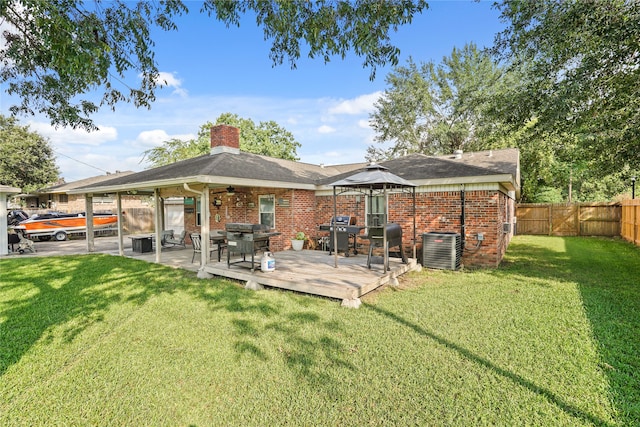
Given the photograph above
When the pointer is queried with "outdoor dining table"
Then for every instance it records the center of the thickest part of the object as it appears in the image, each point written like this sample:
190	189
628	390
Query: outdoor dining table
218	239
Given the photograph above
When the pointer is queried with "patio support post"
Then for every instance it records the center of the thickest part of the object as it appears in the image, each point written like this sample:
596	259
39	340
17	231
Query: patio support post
414	222
205	229
335	231
158	224
4	239
120	225
385	246
5	191
88	204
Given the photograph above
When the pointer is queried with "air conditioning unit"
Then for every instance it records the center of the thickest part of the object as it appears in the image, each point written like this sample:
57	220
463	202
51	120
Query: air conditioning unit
441	250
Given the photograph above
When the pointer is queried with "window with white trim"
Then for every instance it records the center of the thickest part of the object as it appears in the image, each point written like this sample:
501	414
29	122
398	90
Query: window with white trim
267	210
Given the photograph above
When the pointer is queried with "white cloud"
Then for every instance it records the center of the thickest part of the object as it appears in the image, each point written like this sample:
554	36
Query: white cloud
364	124
360	105
62	136
170	80
154	138
326	129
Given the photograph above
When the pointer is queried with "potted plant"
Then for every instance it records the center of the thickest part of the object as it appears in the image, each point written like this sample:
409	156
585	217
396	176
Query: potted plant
298	241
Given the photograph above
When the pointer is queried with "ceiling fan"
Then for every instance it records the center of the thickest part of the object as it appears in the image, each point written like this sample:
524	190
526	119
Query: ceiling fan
229	190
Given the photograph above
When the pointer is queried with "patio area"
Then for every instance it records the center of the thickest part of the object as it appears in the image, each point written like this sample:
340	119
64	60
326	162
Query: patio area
307	271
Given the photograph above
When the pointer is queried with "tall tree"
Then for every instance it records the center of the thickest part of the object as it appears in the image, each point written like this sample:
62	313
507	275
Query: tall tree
266	138
434	109
26	158
583	76
55	52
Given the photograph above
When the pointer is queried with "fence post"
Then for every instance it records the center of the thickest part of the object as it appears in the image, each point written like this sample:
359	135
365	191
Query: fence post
635	223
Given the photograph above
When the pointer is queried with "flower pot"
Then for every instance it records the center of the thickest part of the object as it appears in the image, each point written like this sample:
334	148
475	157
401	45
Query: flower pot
297	244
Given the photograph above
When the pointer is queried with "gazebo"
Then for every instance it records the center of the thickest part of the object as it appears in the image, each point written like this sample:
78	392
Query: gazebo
374	180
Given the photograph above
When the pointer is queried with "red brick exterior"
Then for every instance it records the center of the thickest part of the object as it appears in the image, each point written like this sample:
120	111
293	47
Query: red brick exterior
294	212
485	212
303	210
225	136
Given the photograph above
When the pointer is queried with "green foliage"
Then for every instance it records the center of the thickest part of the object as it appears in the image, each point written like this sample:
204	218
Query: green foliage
435	109
26	158
582	75
266	138
58	52
547	195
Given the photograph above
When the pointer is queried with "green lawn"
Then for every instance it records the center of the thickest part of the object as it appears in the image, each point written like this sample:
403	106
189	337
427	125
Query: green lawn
552	337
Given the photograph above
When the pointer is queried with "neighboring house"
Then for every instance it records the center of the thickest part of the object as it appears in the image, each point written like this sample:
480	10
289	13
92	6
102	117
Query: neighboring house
294	196
56	197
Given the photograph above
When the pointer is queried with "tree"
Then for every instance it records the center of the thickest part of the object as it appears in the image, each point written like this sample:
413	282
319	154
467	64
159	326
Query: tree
582	73
267	138
55	53
433	109
26	158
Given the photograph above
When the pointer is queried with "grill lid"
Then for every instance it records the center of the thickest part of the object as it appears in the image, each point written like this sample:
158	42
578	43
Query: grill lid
241	227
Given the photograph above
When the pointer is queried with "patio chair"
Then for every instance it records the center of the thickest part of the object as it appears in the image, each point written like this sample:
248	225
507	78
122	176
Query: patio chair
196	239
173	240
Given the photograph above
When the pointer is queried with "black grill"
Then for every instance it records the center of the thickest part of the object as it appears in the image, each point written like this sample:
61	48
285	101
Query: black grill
347	231
394	240
247	239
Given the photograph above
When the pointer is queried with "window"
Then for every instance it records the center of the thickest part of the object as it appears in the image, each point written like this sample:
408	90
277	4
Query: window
268	210
376	217
198	219
63	198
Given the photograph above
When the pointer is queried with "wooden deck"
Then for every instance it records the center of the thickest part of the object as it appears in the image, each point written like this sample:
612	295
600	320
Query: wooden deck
313	272
310	272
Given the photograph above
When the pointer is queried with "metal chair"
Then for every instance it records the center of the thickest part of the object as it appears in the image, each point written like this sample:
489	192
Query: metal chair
171	239
196	240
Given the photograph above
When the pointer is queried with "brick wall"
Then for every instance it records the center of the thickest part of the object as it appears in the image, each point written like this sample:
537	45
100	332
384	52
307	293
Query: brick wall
302	210
485	212
294	212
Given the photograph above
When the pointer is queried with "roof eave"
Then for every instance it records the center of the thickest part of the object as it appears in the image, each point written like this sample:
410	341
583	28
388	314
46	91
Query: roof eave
199	179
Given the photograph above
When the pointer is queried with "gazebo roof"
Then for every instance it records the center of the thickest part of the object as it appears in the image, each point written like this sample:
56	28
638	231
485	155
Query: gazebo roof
374	177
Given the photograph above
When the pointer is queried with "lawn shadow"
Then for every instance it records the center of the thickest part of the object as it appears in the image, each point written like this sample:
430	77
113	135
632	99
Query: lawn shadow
607	275
76	292
73	290
511	376
66	295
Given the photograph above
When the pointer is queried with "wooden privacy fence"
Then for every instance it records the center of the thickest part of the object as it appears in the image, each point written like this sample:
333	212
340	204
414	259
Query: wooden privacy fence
137	220
631	221
578	219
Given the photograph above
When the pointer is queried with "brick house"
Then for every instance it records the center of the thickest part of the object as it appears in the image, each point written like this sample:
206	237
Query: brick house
229	185
57	198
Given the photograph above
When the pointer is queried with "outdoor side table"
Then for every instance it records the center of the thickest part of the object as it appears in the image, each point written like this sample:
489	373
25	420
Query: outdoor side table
142	244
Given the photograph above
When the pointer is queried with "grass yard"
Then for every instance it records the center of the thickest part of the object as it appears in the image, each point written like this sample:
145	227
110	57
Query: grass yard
552	337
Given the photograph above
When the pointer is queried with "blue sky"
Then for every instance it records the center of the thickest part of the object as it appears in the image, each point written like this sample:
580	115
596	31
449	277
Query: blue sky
212	70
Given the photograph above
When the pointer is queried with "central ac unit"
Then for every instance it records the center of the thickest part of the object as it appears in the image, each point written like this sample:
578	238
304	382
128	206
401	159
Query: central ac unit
441	250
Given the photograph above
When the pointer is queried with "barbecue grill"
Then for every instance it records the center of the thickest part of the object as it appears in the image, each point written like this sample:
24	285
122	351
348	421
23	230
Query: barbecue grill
394	238
247	239
347	231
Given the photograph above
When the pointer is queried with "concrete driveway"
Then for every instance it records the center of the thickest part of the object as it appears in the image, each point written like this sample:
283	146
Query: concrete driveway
172	256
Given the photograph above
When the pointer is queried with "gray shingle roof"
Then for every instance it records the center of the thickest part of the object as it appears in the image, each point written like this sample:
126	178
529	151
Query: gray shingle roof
94	180
416	167
262	168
